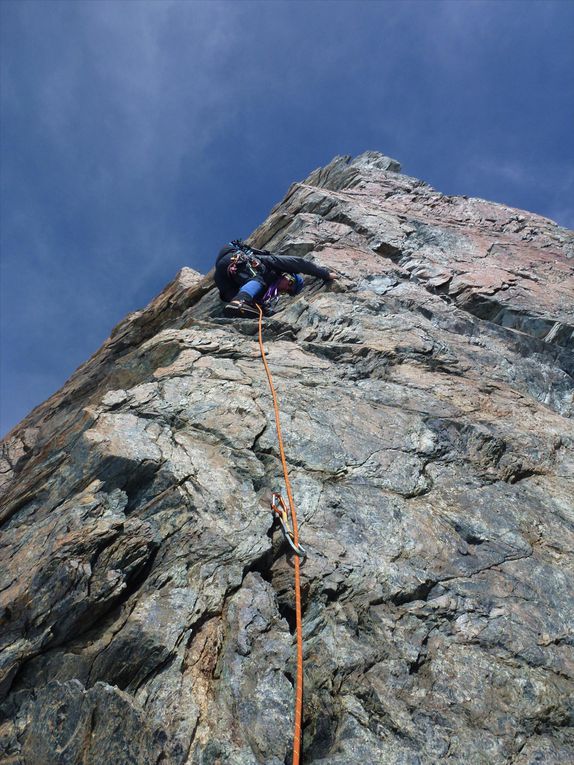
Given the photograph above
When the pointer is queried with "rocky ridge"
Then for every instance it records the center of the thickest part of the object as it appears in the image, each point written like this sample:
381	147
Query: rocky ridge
146	605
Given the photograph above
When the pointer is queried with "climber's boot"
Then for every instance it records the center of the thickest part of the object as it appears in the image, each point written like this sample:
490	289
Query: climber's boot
240	308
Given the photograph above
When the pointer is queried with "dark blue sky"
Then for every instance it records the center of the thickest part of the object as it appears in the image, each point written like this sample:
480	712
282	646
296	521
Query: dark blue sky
137	137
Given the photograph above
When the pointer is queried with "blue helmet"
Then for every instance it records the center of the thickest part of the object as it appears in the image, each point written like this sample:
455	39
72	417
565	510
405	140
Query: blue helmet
294	281
298	284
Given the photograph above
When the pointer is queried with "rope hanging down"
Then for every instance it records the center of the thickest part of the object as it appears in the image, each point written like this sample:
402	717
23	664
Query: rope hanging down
279	508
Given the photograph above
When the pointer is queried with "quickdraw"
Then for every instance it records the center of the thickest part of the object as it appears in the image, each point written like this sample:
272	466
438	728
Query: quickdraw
280	510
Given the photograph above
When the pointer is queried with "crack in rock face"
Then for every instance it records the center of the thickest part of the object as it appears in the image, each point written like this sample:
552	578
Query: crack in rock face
426	397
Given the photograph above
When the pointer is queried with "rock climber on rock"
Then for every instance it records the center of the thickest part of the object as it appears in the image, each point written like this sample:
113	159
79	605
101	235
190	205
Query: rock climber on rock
245	276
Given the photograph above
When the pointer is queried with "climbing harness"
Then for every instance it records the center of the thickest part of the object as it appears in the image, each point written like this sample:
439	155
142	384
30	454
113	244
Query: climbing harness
279	509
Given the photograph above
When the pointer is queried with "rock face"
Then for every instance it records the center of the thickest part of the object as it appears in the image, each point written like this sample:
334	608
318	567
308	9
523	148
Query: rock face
426	398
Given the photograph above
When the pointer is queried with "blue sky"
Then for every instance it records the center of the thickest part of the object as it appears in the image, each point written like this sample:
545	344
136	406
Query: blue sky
138	136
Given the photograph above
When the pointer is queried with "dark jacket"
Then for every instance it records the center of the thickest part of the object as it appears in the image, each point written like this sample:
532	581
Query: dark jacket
273	267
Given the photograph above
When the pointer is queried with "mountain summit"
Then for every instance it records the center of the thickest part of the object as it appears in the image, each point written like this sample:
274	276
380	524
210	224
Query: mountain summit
426	398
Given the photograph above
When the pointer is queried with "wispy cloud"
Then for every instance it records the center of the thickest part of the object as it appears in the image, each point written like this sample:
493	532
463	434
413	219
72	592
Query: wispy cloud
139	134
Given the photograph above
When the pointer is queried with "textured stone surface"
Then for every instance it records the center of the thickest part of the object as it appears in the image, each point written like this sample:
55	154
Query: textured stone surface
426	399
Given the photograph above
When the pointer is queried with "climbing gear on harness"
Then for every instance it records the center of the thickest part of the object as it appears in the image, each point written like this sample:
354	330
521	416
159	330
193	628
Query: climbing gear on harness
244	258
280	509
241	261
297	730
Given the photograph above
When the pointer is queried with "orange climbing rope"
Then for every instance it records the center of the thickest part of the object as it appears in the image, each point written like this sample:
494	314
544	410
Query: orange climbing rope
278	506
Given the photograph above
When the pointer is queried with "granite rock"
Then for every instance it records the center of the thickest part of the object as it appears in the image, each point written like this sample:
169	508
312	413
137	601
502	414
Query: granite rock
426	396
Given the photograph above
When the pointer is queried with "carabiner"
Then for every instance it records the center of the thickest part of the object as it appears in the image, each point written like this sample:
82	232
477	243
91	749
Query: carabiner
279	508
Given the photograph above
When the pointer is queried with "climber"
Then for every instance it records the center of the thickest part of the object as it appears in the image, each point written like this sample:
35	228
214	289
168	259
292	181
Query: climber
245	276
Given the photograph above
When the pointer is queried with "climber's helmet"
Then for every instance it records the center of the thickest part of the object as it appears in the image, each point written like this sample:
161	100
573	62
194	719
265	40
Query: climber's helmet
292	283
